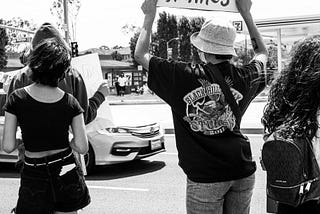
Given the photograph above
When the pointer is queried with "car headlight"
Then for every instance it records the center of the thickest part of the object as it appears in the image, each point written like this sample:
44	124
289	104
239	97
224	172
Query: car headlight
116	130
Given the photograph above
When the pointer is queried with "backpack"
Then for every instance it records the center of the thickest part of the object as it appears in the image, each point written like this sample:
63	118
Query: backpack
293	175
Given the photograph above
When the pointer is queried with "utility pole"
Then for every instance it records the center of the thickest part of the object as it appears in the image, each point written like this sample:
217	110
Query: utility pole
66	20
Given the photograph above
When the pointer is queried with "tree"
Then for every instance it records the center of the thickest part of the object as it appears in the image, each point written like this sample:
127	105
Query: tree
18	40
153	47
3	42
133	43
117	47
243	55
57	10
272	56
167	28
196	24
184	30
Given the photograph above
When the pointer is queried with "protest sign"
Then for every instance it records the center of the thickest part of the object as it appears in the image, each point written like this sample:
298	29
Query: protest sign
217	5
90	69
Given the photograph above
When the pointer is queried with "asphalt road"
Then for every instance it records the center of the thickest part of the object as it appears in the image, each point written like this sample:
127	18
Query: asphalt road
155	185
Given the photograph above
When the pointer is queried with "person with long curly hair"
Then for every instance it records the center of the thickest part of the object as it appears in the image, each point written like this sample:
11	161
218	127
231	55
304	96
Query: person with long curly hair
294	105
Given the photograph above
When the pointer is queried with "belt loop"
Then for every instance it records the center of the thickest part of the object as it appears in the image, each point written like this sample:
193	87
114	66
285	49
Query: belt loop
34	163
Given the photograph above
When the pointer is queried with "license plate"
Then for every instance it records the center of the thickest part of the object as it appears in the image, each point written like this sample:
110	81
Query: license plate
155	144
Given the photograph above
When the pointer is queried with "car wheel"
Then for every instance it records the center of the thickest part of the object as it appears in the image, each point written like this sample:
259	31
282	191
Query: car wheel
89	159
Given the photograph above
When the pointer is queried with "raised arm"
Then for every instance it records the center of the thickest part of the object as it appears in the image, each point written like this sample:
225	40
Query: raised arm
259	47
141	54
74	84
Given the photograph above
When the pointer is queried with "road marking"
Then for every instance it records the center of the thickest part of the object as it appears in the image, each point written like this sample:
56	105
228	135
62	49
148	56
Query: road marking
10	179
169	153
118	188
93	187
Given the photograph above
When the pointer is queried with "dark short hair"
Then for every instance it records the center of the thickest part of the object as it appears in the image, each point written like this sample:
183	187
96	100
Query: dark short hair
48	62
46	31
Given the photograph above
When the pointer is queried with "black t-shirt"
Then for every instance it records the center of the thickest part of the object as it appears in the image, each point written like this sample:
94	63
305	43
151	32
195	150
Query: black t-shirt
44	126
210	146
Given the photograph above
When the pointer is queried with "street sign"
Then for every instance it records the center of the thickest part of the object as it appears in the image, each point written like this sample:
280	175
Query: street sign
238	25
218	5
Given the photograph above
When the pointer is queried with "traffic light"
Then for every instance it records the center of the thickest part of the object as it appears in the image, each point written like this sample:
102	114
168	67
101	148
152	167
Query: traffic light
74	49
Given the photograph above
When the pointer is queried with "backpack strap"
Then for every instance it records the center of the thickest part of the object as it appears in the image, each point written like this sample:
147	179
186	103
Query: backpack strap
216	75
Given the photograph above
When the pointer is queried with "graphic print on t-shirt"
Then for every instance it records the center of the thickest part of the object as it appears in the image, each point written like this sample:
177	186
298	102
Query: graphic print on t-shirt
207	110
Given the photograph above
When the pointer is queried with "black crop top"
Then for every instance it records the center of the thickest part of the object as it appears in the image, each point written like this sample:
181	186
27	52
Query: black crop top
44	126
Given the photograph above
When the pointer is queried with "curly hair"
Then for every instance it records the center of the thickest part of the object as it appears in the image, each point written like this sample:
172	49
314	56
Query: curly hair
294	97
48	62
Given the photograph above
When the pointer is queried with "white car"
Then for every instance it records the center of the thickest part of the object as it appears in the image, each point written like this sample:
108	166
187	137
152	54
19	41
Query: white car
110	144
123	143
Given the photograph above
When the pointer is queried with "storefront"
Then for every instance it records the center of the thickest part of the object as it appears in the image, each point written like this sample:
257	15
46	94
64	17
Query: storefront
112	69
284	32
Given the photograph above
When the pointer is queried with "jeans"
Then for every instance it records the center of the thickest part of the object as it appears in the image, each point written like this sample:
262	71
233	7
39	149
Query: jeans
229	197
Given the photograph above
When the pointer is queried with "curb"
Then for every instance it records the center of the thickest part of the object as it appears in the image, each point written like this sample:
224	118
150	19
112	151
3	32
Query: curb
136	102
244	131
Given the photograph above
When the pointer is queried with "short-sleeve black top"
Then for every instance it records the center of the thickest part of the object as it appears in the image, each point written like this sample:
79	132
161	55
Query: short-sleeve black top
210	146
44	126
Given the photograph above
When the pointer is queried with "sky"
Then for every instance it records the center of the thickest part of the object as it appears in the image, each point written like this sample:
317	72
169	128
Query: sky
100	21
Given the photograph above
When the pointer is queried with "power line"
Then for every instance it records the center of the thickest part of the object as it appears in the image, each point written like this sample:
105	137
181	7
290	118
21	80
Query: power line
15	28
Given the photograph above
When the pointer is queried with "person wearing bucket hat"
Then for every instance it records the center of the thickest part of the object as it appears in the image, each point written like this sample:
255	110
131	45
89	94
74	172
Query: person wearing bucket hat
214	154
216	36
73	82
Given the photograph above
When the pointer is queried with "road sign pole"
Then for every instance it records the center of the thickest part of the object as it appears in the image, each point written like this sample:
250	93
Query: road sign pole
66	20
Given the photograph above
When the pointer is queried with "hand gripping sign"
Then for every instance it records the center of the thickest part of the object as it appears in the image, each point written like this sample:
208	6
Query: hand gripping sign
218	5
90	69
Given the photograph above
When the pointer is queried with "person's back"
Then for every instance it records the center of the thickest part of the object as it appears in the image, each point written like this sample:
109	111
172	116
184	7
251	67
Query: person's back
72	83
45	114
214	154
293	106
50	116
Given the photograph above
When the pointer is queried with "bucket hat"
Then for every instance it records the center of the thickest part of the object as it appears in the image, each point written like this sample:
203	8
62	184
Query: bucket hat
216	36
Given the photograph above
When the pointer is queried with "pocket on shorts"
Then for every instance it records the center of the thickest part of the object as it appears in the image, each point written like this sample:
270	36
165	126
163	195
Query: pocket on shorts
72	185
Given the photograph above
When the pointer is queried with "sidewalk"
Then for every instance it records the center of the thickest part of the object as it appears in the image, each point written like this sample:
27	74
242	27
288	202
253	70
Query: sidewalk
148	98
141	103
134	109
